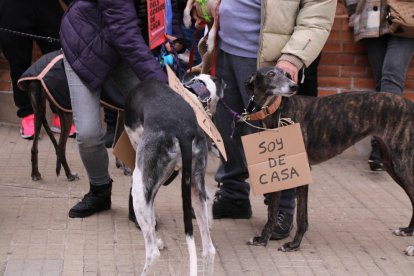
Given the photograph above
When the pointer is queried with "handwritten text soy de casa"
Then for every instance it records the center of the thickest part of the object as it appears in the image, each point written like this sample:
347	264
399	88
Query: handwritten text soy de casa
279	170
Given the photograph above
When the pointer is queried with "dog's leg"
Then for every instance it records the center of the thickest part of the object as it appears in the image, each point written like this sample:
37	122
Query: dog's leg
65	122
201	212
38	101
208	55
144	212
301	219
148	175
187	14
405	180
393	162
409	251
272	210
187	179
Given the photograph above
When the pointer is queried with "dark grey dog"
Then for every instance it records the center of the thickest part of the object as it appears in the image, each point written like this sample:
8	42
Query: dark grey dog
355	115
164	131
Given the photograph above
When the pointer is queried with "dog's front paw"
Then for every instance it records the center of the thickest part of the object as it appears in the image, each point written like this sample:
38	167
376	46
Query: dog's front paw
73	177
187	19
403	232
160	244
36	176
257	241
409	251
288	247
127	171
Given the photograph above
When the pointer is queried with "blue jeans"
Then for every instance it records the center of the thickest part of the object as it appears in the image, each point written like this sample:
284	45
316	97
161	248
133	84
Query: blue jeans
87	118
389	57
232	174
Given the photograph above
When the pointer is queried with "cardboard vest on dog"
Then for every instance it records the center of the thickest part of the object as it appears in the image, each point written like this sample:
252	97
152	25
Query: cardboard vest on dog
276	159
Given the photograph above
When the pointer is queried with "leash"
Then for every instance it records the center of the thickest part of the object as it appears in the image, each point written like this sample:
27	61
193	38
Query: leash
47	38
191	57
213	62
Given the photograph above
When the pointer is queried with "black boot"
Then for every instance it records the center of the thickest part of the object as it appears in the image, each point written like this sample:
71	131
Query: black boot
131	213
97	199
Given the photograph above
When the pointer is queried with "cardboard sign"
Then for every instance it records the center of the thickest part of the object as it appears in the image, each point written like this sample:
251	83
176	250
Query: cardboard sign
156	22
202	118
276	159
124	150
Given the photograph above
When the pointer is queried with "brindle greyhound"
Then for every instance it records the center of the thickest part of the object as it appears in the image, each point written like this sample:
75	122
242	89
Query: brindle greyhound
386	116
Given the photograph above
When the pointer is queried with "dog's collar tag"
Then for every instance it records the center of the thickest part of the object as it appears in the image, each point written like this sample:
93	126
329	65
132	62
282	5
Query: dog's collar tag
251	107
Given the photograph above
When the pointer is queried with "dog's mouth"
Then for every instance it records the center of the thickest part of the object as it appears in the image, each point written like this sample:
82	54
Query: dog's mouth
286	91
278	92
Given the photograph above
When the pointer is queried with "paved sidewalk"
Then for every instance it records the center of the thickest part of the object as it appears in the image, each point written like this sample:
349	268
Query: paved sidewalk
352	213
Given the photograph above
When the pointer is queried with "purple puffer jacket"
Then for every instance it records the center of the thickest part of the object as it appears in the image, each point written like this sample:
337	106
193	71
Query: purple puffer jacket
97	34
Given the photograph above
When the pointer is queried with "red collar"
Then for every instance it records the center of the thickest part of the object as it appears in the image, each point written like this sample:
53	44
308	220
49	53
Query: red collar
264	112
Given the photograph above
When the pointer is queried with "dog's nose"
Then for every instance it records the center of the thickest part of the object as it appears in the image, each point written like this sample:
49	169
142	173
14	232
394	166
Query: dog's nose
293	87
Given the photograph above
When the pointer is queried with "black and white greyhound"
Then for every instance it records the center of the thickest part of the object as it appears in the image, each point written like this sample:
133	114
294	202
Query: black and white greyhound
163	129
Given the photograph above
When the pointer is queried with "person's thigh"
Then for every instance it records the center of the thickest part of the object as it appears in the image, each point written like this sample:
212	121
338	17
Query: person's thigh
375	49
85	106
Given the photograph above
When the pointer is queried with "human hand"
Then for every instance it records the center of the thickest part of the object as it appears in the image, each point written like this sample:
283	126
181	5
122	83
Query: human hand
289	69
179	47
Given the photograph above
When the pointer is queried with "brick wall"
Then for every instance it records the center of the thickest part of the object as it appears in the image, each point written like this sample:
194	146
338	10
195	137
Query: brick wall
343	66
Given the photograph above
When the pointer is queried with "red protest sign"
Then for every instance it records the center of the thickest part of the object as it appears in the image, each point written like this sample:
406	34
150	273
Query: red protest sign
156	22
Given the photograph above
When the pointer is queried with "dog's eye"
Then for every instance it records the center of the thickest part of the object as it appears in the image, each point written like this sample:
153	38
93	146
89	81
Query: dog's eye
289	76
271	74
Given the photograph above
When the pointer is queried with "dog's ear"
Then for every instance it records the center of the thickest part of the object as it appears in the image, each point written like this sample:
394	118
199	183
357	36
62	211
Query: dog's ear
249	83
220	86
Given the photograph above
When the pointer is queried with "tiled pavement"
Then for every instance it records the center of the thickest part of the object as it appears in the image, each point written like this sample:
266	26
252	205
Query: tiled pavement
352	214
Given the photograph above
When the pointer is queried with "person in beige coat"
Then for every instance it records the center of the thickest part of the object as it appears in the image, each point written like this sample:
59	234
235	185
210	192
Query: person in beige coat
252	34
388	55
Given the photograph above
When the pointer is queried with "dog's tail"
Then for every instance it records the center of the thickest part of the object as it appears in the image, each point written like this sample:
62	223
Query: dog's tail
186	155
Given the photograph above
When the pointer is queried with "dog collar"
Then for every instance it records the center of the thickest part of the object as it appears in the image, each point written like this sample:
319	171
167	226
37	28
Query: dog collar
264	111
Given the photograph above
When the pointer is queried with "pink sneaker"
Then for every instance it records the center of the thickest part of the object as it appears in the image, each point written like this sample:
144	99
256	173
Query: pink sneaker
27	127
72	132
56	126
